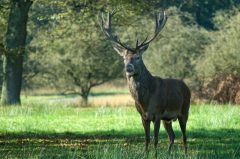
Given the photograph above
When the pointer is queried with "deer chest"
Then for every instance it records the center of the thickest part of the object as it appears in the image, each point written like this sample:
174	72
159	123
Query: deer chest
138	92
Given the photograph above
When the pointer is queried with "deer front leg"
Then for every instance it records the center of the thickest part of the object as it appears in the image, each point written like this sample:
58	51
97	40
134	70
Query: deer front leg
156	132
146	125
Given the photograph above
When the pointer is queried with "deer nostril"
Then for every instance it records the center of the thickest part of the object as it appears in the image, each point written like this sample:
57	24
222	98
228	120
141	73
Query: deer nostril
129	68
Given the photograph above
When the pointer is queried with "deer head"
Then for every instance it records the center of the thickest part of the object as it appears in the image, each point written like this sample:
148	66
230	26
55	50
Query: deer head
132	56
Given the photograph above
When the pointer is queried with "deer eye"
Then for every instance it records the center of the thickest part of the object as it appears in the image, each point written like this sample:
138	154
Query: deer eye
137	57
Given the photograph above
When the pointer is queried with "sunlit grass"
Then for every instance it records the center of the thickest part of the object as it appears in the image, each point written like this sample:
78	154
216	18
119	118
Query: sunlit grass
59	130
113	97
62	118
113	93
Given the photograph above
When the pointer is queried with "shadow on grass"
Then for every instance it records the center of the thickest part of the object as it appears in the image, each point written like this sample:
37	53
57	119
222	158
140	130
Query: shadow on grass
221	143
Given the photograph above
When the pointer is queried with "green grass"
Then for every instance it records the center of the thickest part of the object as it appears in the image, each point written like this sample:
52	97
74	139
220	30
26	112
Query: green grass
63	131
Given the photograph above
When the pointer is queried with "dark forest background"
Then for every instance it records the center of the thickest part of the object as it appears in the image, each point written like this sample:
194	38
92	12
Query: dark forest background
58	45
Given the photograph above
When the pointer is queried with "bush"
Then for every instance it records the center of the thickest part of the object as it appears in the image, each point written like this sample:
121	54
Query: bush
222	56
219	68
175	53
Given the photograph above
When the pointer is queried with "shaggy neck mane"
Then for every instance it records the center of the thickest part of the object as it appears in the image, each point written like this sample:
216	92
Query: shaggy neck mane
140	84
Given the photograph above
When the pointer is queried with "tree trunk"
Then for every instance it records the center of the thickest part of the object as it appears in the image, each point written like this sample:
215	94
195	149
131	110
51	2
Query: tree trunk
15	48
84	100
84	94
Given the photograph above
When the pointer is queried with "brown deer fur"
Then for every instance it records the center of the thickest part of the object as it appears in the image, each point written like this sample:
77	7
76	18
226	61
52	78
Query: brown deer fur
155	98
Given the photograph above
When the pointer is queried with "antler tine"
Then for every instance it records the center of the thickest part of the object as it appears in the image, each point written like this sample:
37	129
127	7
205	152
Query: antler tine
160	22
139	46
137	43
113	12
106	28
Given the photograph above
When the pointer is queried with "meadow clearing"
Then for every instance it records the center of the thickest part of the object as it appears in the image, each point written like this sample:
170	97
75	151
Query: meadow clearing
54	126
48	47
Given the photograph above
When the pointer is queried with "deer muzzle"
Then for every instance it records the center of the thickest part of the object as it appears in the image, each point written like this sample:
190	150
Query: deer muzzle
130	70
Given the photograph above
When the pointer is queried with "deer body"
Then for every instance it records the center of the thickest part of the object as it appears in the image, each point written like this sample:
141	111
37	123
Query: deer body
158	98
155	98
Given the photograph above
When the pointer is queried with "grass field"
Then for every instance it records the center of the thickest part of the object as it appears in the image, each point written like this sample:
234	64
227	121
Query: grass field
45	129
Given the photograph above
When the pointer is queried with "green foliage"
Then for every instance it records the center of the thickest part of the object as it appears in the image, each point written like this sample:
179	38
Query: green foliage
66	49
222	56
176	51
3	23
77	56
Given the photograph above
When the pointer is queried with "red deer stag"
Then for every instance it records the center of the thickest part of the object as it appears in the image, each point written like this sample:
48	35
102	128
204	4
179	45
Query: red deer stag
155	98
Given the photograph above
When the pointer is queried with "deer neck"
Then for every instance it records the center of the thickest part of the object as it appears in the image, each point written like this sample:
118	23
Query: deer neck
140	84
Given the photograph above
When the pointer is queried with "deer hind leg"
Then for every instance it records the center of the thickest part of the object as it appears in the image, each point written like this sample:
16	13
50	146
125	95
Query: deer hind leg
170	132
156	132
146	126
183	123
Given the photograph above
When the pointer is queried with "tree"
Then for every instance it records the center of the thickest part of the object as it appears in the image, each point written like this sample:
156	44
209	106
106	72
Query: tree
222	56
15	47
91	66
77	56
204	10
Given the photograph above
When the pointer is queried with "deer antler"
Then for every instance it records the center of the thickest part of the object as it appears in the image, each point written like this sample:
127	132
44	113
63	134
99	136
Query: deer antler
160	22
107	30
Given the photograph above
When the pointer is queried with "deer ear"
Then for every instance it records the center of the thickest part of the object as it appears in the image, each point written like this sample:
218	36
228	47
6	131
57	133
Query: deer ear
143	49
120	50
